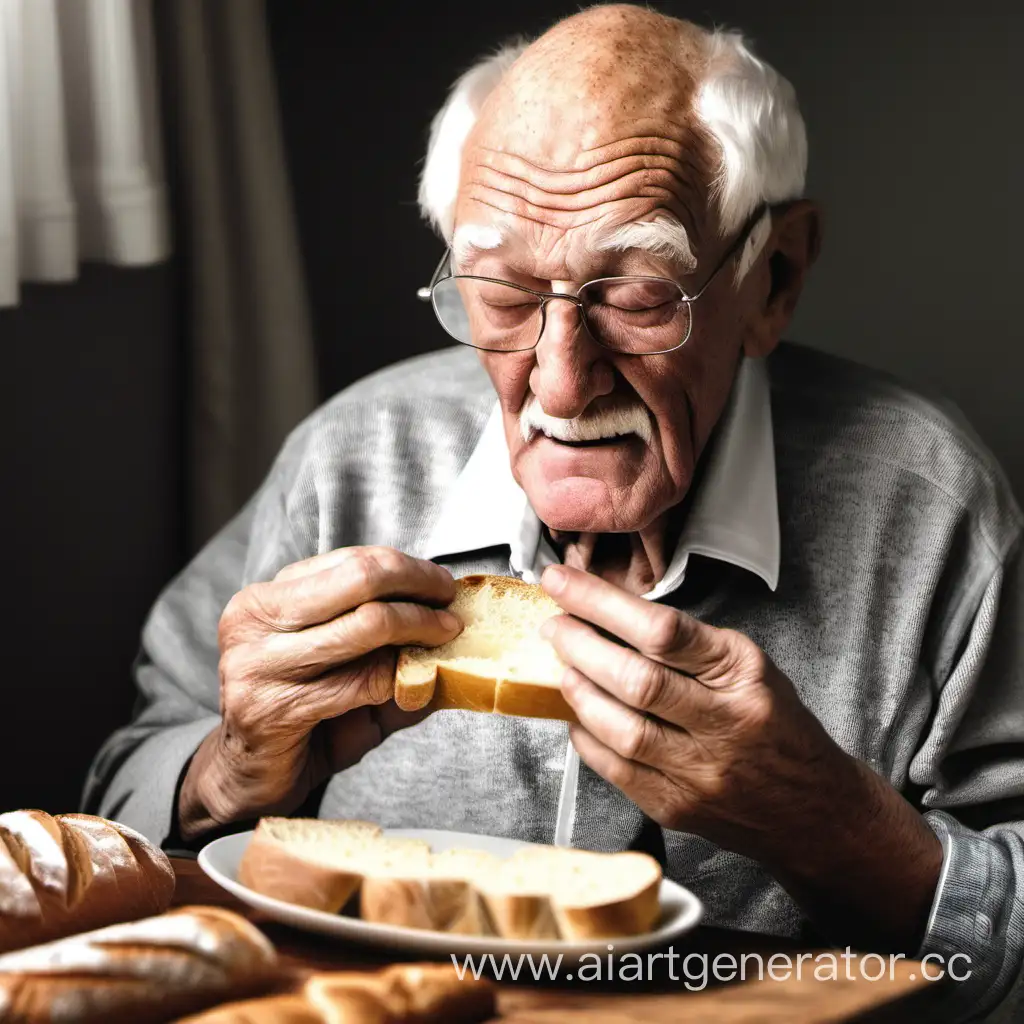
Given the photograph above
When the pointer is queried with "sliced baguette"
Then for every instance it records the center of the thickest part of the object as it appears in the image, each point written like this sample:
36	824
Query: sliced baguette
498	663
439	894
541	892
319	864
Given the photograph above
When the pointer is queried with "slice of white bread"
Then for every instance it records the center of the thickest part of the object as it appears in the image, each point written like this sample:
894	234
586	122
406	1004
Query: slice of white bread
541	892
498	663
587	895
440	895
319	864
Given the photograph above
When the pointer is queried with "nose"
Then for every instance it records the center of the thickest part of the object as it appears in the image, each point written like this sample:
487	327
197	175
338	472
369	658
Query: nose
571	369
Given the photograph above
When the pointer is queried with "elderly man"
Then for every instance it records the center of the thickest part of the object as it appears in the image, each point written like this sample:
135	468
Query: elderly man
792	588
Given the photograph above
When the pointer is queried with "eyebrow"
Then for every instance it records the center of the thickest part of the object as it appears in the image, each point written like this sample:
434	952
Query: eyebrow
662	236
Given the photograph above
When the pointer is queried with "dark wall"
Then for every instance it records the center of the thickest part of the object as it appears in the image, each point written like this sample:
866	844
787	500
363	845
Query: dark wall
911	108
90	522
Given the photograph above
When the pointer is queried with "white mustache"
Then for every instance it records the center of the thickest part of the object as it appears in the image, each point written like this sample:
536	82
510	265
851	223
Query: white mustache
613	422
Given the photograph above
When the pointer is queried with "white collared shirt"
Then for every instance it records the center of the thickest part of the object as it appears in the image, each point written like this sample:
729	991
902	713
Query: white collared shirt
734	516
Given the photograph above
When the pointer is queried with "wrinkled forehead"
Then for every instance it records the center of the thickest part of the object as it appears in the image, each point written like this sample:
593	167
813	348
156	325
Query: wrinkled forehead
592	125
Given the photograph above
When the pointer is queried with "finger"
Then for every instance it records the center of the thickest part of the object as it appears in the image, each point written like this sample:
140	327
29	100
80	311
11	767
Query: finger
367	574
631	735
309	653
316	563
660	632
649	686
280	711
645	786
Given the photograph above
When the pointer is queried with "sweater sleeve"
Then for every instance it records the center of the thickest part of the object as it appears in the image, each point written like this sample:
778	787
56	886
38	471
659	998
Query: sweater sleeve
134	777
972	770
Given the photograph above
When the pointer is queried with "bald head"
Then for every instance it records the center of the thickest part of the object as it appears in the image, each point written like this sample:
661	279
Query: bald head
595	76
692	115
592	132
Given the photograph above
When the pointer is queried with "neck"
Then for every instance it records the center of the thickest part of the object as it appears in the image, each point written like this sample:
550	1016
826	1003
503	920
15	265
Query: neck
633	561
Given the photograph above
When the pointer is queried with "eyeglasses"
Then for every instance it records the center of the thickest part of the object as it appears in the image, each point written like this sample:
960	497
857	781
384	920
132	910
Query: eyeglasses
632	315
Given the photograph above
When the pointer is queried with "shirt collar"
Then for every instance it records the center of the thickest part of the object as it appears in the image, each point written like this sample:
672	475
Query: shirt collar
734	516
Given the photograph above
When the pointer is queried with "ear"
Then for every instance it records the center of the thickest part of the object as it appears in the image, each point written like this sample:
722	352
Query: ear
781	270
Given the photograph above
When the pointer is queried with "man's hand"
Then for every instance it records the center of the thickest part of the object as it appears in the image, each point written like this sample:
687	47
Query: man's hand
306	661
699	728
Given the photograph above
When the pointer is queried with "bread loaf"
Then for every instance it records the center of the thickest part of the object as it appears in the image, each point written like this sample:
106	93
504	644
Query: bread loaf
74	872
401	994
150	970
408	994
541	892
498	663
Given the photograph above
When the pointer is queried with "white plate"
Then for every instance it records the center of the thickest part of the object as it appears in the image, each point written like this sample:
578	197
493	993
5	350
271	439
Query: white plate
680	909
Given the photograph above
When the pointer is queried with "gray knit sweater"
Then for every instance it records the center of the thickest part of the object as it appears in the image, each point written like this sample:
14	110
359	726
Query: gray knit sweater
898	616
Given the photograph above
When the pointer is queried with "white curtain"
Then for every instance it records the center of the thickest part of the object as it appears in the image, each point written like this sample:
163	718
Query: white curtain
81	173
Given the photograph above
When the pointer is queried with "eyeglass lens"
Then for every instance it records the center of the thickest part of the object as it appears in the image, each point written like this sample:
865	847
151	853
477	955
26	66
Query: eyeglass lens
628	314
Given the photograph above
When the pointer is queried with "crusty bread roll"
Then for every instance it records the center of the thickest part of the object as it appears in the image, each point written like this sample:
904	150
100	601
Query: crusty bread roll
150	970
498	663
401	994
407	993
72	873
541	892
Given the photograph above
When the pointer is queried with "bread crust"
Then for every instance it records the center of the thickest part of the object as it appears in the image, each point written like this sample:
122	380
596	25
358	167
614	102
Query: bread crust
450	905
540	893
74	872
633	915
149	970
270	867
410	993
521	915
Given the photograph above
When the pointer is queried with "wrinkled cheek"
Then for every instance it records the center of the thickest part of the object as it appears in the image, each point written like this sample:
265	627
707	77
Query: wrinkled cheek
510	375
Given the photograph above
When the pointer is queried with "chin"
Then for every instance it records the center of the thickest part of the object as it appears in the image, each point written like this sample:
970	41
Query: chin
578	505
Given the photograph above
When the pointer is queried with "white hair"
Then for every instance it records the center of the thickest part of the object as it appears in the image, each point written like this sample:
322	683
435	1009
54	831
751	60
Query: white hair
746	106
439	182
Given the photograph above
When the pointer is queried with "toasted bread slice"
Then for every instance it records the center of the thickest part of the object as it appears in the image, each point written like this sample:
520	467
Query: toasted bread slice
498	663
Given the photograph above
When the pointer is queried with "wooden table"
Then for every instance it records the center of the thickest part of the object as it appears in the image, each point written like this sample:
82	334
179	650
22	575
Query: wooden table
905	996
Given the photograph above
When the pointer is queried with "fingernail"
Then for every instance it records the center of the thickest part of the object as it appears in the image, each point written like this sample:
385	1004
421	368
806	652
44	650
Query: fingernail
547	628
553	579
449	621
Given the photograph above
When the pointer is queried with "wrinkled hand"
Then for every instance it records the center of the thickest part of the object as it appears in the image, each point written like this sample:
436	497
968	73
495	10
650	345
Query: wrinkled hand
699	728
307	664
693	723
